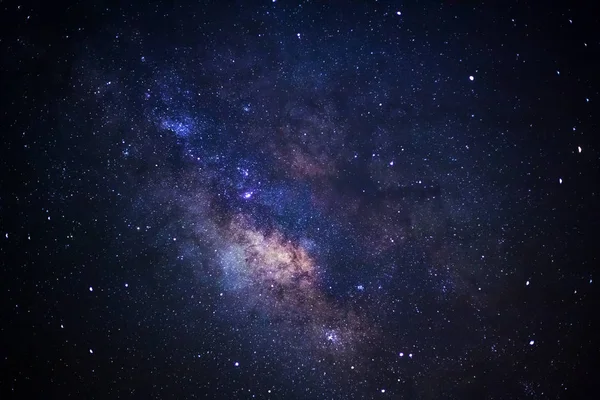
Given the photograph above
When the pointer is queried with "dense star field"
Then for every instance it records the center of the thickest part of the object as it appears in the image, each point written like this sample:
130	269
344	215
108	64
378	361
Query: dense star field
299	200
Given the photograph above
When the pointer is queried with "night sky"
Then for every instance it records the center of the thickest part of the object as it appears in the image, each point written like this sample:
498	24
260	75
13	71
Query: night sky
299	200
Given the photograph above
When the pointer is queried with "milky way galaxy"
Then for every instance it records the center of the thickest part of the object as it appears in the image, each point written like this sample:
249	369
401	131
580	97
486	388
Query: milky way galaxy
299	200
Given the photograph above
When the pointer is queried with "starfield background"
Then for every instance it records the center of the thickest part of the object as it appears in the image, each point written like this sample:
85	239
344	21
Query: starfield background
299	200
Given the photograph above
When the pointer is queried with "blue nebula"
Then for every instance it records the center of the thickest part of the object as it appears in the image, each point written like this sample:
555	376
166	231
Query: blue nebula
182	127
